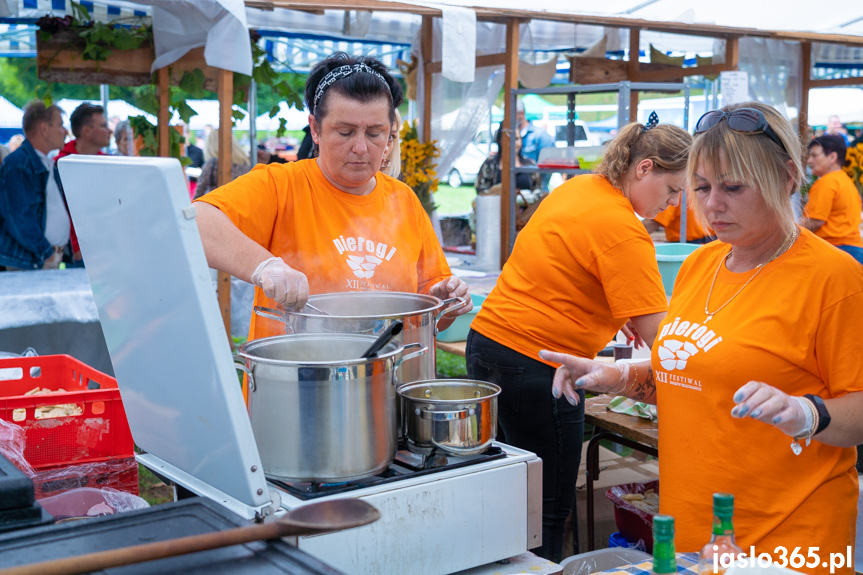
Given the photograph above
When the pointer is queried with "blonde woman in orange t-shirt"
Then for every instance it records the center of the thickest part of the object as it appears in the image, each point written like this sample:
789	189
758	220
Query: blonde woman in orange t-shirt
582	268
756	371
334	223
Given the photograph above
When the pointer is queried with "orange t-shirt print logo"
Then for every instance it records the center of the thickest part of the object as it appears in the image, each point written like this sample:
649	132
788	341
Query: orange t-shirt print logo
364	254
687	339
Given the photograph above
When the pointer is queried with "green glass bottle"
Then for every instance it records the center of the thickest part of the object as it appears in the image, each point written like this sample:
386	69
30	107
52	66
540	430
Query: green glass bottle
664	559
722	549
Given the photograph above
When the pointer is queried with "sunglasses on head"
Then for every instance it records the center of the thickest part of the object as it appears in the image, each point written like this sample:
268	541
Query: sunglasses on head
745	120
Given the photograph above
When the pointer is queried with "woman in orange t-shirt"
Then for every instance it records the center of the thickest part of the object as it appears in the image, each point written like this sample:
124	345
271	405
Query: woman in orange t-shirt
760	346
582	267
334	223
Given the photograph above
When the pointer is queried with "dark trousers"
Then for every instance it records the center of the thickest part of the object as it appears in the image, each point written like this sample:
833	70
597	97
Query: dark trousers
530	418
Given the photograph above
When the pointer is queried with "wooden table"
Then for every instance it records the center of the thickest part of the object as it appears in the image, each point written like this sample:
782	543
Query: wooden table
628	430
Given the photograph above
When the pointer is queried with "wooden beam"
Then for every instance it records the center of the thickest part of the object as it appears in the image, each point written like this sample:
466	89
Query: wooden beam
483	61
836	82
805	85
164	119
732	52
510	82
426	46
226	98
667	73
633	66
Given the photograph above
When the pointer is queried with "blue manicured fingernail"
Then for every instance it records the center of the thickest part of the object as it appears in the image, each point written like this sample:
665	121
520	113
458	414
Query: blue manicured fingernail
777	419
571	400
756	413
734	412
555	393
743	411
579	383
738	397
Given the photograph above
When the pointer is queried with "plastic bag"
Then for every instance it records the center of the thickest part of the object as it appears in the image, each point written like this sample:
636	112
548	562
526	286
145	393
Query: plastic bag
13	440
632	522
117	474
602	560
91	502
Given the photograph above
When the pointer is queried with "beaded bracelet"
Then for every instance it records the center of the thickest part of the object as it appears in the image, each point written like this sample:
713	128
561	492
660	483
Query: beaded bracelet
634	381
796	448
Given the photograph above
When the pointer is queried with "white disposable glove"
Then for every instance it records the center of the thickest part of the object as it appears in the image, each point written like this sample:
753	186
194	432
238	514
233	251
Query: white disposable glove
578	373
787	413
282	283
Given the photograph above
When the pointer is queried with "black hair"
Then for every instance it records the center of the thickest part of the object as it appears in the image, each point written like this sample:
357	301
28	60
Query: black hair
498	137
359	86
82	115
831	143
35	113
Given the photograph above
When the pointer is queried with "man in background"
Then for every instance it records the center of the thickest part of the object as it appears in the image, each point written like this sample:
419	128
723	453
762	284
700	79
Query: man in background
533	139
34	222
833	209
91	131
835	128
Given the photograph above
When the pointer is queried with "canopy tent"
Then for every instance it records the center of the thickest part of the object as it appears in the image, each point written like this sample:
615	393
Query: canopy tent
10	120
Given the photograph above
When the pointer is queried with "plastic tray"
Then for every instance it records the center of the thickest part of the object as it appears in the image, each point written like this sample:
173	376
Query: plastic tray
99	433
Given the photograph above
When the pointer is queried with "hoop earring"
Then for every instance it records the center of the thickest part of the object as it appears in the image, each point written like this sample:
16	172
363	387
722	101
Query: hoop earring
385	164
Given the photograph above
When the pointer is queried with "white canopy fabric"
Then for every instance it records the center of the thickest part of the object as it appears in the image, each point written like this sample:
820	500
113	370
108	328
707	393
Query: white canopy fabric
10	114
120	108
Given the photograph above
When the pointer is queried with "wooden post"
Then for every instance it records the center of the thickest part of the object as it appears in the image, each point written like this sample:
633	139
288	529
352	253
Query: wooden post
510	82
805	79
426	45
226	98
164	119
633	69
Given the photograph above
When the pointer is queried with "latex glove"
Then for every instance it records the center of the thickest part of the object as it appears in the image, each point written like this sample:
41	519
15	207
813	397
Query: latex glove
282	283
578	373
769	405
632	335
453	287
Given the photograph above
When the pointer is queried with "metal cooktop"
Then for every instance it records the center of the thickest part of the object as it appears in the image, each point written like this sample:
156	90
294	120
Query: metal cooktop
405	465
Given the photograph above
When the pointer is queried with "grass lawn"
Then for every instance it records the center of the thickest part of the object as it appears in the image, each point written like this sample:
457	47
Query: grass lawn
454	201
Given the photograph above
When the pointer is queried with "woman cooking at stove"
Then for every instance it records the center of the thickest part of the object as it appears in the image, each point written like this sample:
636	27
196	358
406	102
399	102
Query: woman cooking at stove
334	223
760	346
582	267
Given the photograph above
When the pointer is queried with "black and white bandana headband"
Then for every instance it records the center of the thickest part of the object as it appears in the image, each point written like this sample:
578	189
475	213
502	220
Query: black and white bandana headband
343	72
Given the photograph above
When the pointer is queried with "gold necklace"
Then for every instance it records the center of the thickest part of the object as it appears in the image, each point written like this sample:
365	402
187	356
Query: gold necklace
786	245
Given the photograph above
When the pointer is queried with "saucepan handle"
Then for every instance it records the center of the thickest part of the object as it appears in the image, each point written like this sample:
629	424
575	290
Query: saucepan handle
449	305
240	364
275	314
445	415
415	345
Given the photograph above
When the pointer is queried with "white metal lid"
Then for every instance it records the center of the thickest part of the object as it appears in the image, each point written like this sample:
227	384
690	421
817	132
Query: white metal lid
161	320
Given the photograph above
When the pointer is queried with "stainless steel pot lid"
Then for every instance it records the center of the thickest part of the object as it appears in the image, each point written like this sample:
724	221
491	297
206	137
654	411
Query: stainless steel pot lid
315	349
444	391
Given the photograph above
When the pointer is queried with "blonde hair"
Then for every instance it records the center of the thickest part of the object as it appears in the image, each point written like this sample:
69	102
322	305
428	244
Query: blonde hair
394	170
239	157
665	144
754	159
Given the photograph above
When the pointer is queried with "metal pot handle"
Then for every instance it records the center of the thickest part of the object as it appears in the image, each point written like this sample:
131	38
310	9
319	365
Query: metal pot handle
445	415
275	314
402	359
240	363
458	304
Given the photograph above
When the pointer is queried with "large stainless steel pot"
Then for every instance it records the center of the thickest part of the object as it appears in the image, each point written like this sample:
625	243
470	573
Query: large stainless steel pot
455	416
371	313
318	412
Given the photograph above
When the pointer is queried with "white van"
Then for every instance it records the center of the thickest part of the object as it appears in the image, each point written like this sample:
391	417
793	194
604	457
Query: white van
554	121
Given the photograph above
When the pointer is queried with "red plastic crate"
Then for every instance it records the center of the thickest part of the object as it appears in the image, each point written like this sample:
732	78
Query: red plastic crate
101	431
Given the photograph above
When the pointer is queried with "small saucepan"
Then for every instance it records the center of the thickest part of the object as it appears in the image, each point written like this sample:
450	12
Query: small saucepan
454	416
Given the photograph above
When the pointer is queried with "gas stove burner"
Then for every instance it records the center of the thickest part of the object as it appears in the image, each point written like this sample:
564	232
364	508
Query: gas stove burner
405	465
